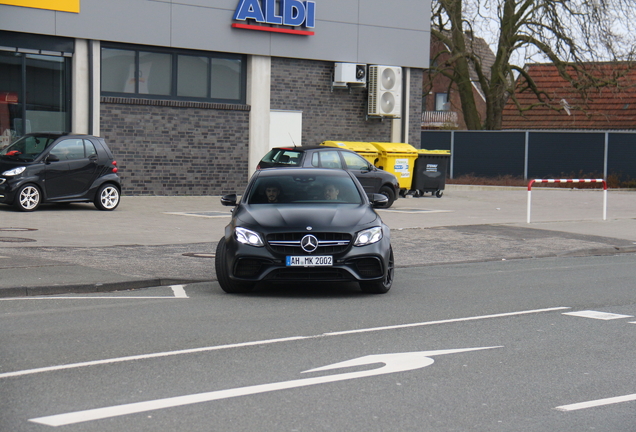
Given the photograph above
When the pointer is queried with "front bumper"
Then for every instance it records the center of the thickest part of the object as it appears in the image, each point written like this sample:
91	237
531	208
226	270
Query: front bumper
7	192
254	264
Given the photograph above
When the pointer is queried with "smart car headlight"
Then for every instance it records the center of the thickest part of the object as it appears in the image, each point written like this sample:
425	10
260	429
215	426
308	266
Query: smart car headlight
368	236
14	171
249	237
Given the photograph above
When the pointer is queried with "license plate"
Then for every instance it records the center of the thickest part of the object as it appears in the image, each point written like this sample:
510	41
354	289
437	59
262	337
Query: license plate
309	261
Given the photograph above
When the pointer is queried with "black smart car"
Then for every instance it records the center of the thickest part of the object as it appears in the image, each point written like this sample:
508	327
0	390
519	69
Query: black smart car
58	168
304	225
372	179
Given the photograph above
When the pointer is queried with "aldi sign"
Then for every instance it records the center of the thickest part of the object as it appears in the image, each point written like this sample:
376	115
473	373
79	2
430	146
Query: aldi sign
290	13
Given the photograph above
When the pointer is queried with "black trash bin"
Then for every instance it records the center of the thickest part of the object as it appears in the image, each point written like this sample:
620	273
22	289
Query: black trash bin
430	172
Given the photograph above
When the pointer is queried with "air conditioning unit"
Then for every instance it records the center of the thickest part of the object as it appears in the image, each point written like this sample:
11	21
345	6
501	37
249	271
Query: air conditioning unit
385	91
350	73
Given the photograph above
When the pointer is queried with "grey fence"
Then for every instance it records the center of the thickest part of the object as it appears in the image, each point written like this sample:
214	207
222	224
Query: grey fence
536	154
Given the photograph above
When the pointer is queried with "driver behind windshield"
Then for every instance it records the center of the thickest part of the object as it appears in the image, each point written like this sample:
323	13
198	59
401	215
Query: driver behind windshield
272	191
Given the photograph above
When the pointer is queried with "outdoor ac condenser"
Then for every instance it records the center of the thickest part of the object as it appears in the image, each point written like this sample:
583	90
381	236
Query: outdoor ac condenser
385	91
350	73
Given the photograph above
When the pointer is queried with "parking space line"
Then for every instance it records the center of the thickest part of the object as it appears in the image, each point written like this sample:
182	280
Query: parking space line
265	342
597	403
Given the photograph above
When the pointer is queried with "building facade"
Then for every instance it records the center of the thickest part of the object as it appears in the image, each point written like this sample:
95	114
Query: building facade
190	94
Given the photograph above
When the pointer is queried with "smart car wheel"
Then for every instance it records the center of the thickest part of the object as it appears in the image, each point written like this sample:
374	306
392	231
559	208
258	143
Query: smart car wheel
389	193
28	198
107	197
222	274
384	285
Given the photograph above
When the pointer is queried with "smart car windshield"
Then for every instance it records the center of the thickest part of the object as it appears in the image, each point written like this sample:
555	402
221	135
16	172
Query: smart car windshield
294	189
26	148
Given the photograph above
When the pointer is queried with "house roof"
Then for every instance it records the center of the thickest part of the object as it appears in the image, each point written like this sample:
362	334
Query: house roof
611	107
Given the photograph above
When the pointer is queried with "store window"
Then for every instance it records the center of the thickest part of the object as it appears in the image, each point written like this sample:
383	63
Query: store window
173	74
34	94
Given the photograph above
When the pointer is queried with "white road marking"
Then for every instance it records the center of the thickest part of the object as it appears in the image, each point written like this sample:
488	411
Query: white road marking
201	214
179	291
92	298
261	342
597	315
393	363
413	211
507	314
597	403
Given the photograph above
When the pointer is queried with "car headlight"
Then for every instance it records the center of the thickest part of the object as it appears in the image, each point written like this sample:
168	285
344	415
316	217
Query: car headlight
368	236
14	171
248	237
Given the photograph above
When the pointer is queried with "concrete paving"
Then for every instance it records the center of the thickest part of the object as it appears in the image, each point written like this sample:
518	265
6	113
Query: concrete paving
152	241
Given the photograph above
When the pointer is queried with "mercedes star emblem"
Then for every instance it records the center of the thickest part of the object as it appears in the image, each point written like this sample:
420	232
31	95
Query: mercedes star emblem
309	243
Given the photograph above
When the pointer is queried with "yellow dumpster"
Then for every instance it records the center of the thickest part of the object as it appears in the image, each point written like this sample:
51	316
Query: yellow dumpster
364	149
398	159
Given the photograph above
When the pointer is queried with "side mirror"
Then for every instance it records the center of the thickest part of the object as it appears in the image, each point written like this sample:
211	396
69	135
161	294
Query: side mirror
377	199
52	158
228	200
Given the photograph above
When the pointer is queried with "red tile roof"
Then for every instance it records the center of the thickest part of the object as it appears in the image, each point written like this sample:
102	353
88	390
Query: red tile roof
605	108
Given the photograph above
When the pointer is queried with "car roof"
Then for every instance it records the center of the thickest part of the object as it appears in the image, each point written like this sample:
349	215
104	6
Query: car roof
57	134
312	147
270	172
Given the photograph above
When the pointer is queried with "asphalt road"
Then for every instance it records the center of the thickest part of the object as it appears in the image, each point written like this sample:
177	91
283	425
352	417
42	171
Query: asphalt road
496	349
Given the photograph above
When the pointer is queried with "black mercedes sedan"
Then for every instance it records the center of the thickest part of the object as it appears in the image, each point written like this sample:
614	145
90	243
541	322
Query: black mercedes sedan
304	225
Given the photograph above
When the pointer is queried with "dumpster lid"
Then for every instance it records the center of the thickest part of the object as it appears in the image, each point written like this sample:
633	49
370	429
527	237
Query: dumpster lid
395	147
433	152
352	145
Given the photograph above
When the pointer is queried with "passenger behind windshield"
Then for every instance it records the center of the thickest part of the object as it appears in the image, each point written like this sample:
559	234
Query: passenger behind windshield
331	192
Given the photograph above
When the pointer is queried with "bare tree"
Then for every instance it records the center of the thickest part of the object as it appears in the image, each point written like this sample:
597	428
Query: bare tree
568	33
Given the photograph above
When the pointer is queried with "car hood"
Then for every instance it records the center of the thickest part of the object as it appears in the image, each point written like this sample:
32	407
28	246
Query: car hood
6	164
319	217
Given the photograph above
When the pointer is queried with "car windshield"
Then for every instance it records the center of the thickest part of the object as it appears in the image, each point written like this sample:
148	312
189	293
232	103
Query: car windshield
296	189
283	157
27	148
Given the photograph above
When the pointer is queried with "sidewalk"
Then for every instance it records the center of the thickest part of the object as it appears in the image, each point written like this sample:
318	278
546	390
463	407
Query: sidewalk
151	241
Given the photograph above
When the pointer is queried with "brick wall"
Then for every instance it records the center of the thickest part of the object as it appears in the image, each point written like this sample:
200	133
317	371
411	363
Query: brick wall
305	85
415	119
189	148
177	148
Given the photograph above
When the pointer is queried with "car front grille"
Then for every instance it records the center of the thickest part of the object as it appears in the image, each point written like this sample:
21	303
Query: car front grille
328	243
315	274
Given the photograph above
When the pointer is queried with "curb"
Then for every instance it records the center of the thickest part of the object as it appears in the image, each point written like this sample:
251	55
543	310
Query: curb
92	288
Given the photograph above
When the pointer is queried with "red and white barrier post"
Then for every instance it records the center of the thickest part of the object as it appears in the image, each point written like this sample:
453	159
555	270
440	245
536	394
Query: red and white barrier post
568	181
